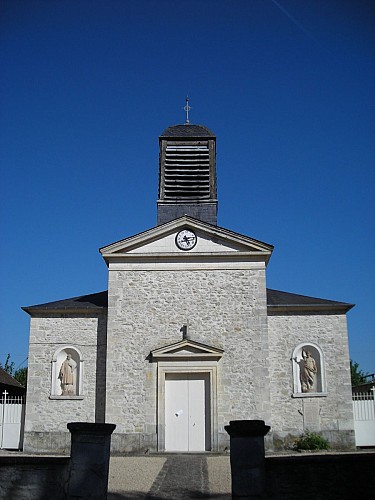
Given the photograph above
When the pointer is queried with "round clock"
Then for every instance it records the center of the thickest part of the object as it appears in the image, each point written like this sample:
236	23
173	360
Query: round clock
186	239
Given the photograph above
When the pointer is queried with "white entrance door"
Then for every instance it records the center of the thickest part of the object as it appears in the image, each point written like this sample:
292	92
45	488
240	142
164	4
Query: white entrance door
187	412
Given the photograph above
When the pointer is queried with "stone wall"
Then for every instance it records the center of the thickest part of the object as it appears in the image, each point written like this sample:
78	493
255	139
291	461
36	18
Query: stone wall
83	475
46	417
332	413
33	477
146	310
313	476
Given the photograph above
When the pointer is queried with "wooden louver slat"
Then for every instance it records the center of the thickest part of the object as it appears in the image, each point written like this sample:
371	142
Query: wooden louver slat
187	172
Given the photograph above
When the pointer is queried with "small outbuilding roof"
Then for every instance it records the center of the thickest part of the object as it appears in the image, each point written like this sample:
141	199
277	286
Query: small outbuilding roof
6	379
187	130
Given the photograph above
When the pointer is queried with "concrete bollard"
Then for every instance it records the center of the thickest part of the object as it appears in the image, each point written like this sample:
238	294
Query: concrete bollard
247	458
89	460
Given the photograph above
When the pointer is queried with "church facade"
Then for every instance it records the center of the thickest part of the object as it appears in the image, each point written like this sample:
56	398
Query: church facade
188	337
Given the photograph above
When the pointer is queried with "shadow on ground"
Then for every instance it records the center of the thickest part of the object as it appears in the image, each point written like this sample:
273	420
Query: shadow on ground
173	495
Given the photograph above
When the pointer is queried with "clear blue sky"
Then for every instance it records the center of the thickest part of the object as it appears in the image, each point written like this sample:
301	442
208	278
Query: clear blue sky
88	86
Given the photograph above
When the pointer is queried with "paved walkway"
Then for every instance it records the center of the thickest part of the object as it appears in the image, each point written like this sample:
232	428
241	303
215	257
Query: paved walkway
169	477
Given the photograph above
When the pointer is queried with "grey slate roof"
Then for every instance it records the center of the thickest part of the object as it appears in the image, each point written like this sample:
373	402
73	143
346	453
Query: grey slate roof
187	131
92	302
276	301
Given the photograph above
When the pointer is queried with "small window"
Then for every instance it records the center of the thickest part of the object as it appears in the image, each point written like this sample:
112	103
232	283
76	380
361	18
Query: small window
308	370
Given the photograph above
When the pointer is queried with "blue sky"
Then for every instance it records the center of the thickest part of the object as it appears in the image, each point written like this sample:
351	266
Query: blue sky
86	88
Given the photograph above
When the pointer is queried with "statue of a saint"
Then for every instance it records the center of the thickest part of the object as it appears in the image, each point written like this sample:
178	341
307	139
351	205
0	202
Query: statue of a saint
308	370
67	376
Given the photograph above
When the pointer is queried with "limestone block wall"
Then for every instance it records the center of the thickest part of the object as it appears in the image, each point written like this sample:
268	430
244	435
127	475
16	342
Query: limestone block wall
332	414
226	308
46	416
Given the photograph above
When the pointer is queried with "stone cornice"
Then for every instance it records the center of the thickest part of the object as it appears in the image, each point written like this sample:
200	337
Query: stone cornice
310	308
36	311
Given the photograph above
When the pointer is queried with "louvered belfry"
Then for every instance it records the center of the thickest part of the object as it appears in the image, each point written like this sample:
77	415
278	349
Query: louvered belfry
187	174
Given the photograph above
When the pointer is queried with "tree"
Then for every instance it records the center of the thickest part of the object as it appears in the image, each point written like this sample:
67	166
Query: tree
9	365
20	375
358	375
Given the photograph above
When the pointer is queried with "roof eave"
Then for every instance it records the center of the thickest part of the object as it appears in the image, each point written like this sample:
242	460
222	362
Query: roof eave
37	311
332	308
186	257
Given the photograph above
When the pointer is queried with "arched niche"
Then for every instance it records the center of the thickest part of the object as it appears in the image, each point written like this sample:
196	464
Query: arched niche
308	370
67	373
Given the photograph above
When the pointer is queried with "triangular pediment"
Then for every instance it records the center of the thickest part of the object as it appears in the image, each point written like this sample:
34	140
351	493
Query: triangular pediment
161	240
187	349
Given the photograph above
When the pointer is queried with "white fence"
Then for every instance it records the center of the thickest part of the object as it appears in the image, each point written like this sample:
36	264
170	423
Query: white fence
364	418
12	410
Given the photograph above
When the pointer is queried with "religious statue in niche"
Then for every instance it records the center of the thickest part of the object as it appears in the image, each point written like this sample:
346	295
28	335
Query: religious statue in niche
308	371
67	376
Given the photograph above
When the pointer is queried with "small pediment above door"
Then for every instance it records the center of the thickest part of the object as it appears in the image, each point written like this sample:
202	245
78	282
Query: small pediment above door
187	350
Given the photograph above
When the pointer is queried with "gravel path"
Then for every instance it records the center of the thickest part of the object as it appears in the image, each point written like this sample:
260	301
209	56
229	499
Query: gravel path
169	477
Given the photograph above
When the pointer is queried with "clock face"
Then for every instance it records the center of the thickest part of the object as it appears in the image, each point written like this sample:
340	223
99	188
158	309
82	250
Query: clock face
186	239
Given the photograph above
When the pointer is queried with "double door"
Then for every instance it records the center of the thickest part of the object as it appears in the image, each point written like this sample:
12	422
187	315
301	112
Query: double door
187	412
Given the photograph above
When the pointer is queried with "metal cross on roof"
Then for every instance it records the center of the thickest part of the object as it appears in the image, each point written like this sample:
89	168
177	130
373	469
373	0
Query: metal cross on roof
187	108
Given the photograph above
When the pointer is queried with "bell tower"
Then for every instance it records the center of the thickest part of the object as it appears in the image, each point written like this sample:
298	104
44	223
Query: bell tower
187	173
